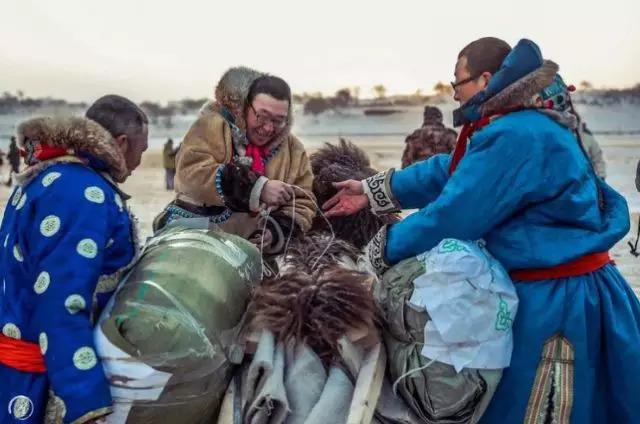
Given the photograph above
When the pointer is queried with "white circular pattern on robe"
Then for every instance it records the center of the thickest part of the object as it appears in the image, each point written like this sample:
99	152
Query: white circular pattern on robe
84	358
50	226
22	201
16	196
118	200
56	406
11	330
42	282
21	407
87	248
94	194
17	253
75	303
59	403
49	178
43	341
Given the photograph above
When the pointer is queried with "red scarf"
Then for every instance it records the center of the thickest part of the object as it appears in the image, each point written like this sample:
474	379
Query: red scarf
463	139
45	152
467	131
42	152
258	154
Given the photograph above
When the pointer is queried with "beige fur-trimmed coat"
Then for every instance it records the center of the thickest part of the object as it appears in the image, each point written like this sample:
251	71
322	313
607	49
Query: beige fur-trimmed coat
209	144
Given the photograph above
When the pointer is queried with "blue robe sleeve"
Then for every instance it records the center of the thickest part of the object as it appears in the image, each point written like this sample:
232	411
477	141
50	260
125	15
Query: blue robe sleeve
421	183
67	233
494	179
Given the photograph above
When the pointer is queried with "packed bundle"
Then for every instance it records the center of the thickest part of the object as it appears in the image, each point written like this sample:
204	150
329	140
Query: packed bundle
168	338
448	318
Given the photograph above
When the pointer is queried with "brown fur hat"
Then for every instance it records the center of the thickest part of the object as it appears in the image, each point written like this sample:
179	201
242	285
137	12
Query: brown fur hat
75	134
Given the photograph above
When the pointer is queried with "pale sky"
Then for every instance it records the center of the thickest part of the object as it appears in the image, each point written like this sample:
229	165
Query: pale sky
153	50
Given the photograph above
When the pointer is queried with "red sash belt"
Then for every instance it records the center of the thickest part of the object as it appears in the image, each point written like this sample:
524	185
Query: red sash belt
21	355
584	265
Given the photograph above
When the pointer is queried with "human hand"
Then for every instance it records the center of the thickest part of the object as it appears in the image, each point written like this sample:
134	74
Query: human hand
276	193
348	201
262	238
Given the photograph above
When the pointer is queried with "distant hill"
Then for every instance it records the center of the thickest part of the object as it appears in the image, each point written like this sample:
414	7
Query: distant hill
19	103
608	97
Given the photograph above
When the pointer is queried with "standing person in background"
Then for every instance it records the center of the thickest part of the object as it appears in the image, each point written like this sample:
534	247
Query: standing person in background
13	156
169	163
592	147
432	138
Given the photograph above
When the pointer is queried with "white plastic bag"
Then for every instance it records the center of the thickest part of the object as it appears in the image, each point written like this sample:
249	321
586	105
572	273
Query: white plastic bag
471	302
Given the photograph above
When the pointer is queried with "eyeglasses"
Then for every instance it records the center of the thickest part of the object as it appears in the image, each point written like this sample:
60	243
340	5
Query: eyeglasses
263	119
455	85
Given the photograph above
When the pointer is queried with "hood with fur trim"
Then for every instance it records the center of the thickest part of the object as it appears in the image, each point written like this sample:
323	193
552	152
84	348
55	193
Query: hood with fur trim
231	94
518	84
81	137
525	92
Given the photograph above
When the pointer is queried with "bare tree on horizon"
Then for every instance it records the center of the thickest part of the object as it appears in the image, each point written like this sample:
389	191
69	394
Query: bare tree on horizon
443	89
586	85
380	91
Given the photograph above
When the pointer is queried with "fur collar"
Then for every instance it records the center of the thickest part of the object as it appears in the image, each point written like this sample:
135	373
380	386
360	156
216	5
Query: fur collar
564	118
76	135
518	84
525	92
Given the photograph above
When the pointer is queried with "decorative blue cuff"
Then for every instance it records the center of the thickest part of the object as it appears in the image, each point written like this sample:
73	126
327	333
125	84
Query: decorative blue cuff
376	249
219	181
378	190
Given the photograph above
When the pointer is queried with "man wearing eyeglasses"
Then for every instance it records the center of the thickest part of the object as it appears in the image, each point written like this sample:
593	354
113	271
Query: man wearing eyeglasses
520	180
476	64
240	156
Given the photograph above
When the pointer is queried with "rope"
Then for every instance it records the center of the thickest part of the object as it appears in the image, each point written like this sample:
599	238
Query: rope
319	209
408	373
634	247
266	213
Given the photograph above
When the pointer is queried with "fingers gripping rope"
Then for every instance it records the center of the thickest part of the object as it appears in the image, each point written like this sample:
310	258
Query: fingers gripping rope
265	213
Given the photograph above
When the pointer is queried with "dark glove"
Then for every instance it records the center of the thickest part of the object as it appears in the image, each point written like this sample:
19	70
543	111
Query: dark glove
237	181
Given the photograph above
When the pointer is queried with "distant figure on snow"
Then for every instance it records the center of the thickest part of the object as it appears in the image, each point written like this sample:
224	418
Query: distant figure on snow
169	163
431	139
13	156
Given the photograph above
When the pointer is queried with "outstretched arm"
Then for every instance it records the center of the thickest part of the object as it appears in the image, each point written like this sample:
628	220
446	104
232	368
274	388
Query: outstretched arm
495	178
391	191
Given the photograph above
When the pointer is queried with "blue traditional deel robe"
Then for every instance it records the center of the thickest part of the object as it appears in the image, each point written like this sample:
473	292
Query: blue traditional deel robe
65	237
525	186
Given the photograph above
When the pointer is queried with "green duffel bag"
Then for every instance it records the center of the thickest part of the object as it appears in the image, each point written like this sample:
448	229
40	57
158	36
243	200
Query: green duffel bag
168	337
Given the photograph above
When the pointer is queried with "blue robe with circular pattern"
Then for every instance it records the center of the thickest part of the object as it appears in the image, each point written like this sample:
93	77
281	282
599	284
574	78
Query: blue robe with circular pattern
64	238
